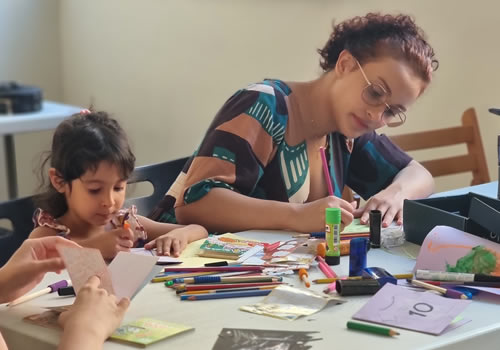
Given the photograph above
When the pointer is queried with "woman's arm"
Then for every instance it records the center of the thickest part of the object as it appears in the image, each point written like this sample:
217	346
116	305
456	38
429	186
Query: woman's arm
413	181
223	210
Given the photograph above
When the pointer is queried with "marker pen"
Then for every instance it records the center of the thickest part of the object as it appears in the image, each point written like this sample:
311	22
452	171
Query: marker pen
357	287
455	276
375	228
357	256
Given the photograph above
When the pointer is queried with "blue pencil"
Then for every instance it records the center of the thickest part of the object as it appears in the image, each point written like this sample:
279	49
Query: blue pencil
240	294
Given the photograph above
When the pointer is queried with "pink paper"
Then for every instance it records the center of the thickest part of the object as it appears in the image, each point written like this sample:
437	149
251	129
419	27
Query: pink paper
83	263
414	310
448	249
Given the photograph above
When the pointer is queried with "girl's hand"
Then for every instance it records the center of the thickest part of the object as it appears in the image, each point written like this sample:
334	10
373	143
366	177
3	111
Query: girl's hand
112	242
310	217
94	313
174	242
390	203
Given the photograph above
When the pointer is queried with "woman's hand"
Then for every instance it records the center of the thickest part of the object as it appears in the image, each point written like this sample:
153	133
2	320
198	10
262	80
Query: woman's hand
390	203
94	315
310	217
34	258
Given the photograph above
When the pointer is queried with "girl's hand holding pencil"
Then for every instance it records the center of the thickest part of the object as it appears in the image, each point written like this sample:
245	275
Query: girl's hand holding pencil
310	217
112	242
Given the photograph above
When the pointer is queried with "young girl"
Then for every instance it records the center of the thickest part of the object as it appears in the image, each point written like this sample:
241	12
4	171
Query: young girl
260	155
90	163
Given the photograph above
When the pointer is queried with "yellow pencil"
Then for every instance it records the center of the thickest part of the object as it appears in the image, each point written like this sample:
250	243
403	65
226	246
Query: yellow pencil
330	280
403	276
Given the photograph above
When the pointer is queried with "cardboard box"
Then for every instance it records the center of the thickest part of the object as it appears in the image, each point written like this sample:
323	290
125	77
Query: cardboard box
472	212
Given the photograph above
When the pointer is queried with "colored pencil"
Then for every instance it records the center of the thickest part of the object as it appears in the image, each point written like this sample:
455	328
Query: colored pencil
50	289
330	280
325	268
447	292
170	277
403	276
208	291
192	287
465	284
371	328
326	172
214	269
249	293
215	279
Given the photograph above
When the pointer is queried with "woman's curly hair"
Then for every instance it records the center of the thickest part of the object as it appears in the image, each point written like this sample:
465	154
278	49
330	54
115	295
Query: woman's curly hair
376	35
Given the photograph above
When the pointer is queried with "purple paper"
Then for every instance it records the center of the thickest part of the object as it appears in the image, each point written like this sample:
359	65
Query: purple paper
419	311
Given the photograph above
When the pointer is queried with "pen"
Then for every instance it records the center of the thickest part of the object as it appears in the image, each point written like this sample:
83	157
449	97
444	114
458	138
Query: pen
455	276
447	292
51	288
371	328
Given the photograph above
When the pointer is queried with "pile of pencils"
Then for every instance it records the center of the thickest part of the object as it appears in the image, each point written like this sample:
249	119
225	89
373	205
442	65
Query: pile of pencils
203	283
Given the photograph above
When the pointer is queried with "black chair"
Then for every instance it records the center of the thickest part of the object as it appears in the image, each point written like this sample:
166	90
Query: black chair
161	176
19	212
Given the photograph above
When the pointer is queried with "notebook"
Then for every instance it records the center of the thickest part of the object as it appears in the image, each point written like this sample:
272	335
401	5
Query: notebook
145	331
223	247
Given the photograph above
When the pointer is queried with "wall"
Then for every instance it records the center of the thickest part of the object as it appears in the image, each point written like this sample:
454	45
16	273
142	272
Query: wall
29	54
164	67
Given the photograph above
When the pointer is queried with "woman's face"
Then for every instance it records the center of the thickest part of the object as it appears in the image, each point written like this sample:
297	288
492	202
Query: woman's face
353	115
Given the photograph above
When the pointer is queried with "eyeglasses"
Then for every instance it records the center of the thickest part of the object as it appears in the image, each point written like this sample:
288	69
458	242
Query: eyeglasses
376	95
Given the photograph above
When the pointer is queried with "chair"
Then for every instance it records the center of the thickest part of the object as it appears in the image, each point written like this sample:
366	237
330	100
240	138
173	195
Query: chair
19	212
474	161
161	176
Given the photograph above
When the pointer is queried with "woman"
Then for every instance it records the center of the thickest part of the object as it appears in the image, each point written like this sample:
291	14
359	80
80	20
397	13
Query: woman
259	165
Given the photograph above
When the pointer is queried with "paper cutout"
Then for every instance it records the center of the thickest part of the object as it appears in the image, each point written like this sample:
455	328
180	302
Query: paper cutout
414	310
123	278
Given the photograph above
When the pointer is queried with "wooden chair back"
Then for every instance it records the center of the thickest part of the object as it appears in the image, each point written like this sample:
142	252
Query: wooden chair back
468	133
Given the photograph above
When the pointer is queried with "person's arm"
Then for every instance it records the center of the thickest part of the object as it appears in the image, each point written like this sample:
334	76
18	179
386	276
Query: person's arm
170	239
223	210
92	318
412	182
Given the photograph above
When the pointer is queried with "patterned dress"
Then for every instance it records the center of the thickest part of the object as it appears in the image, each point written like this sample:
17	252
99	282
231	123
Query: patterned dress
42	218
245	150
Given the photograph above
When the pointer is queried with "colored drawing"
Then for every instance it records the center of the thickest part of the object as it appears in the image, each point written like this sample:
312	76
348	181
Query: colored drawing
448	249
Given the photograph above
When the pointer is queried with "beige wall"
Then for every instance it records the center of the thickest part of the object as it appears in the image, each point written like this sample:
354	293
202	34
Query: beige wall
29	53
165	67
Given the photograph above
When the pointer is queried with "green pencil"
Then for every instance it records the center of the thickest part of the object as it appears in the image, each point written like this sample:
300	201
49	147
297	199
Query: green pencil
371	328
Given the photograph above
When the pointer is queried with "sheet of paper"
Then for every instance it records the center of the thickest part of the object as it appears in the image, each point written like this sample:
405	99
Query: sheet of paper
448	249
414	310
162	260
83	263
124	277
128	271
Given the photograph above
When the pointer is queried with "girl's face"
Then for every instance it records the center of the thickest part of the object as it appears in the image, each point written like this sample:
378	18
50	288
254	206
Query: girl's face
96	195
353	116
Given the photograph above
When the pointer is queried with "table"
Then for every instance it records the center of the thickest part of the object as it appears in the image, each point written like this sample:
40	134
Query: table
51	114
210	316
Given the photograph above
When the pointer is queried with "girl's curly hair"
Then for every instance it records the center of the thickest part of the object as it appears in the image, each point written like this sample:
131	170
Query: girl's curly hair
376	35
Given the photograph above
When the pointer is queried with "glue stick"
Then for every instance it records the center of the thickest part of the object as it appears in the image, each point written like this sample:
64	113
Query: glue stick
332	235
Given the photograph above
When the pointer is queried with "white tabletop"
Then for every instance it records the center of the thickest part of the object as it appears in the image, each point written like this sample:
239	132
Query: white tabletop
210	316
488	189
51	114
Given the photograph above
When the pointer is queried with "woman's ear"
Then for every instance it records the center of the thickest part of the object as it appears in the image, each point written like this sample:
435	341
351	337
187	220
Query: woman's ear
56	180
345	63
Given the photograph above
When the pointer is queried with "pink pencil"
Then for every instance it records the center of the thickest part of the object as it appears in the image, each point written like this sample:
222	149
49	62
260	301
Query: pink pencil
326	171
323	266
